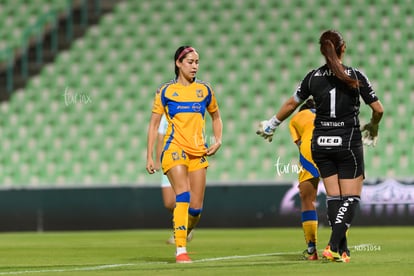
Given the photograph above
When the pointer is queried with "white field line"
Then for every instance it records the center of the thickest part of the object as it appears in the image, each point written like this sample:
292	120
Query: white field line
102	267
243	256
88	268
108	266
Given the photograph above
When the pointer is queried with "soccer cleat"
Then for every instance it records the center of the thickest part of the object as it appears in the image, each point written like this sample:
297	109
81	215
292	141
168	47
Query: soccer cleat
331	255
183	259
170	240
190	235
345	257
310	256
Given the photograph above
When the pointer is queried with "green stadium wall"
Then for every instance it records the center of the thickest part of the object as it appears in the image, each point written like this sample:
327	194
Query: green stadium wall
265	205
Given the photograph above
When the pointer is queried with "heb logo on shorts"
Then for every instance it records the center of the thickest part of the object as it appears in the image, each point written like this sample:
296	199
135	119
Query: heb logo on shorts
329	141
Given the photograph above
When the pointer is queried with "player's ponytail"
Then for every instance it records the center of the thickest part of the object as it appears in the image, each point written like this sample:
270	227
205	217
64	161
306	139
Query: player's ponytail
332	48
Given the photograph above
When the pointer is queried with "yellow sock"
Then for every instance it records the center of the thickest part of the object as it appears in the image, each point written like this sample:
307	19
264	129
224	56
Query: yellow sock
180	219
193	218
192	222
310	229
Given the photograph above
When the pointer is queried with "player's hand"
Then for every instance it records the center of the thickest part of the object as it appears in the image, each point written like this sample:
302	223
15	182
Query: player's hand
151	167
157	166
267	128
369	134
213	149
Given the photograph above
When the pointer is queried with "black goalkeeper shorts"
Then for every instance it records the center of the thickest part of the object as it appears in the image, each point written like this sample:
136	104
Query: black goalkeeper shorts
348	164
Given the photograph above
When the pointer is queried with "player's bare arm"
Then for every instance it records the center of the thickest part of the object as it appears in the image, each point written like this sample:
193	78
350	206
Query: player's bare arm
218	131
152	135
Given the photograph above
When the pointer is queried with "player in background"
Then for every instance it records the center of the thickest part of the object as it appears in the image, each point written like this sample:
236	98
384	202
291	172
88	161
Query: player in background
337	141
168	195
301	129
184	101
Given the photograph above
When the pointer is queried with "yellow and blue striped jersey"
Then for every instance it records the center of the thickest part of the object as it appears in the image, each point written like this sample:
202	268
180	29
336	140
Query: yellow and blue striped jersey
301	125
301	128
185	107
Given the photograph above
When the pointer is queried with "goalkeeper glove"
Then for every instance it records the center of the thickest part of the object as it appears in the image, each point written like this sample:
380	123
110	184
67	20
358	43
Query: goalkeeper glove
369	134
267	128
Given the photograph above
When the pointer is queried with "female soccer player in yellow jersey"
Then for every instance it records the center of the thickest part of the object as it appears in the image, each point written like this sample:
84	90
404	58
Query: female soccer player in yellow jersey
168	195
184	101
301	128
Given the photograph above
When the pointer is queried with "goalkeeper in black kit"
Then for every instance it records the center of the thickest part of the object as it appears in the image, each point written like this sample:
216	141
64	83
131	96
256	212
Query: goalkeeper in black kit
337	140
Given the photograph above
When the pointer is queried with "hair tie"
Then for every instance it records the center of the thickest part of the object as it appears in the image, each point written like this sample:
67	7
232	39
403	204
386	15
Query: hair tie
185	51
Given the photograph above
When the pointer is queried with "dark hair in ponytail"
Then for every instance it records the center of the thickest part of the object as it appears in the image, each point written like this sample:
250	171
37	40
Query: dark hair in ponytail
331	48
180	54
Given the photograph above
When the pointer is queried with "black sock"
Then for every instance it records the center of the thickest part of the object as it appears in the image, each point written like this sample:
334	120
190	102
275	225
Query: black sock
343	246
343	220
333	203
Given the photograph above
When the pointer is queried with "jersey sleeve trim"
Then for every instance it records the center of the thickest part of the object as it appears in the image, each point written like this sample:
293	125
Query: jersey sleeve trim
209	98
297	98
303	90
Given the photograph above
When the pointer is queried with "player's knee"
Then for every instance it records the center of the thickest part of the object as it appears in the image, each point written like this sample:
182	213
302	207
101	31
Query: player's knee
169	205
306	196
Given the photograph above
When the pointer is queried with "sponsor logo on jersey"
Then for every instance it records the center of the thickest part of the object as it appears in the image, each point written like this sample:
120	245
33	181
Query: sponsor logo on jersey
329	141
181	107
196	107
328	72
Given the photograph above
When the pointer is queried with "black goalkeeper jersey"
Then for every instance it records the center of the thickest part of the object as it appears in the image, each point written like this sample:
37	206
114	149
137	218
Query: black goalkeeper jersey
337	107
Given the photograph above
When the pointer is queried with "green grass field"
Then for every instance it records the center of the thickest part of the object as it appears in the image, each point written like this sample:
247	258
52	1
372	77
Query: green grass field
256	251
